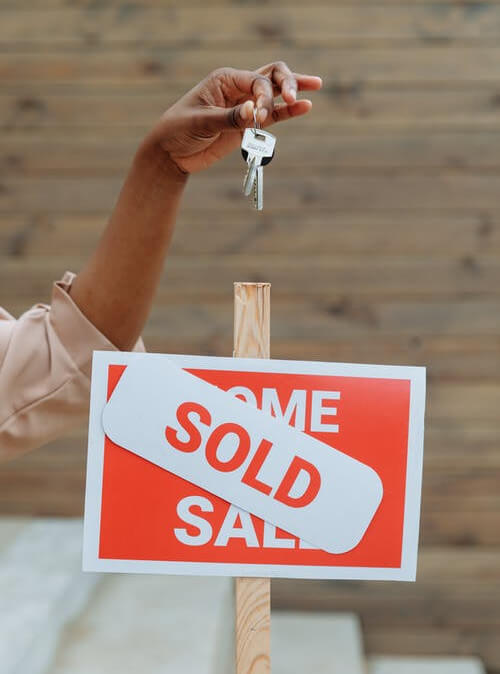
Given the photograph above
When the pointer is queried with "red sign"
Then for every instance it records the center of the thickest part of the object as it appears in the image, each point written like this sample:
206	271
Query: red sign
147	514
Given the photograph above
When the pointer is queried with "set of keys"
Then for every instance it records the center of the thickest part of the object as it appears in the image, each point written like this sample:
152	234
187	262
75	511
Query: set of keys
257	148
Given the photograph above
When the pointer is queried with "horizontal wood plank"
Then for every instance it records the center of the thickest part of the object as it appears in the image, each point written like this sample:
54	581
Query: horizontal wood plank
238	231
127	111
314	191
447	358
345	152
184	26
29	4
327	277
437	598
461	359
460	528
366	329
424	65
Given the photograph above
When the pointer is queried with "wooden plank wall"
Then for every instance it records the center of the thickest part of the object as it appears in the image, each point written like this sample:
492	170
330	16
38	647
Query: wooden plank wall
380	235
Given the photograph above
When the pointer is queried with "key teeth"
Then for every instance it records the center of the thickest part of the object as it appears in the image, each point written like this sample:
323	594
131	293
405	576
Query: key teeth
260	188
245	190
257	189
248	181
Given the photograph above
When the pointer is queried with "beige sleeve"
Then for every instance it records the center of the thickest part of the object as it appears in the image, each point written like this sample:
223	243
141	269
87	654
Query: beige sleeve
45	364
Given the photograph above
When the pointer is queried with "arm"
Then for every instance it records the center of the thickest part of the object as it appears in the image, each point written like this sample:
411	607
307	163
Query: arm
115	289
45	356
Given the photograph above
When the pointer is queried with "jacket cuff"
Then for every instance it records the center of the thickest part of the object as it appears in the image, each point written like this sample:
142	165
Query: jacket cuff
77	334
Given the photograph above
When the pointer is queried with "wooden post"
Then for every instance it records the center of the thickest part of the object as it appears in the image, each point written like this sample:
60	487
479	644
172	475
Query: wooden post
252	310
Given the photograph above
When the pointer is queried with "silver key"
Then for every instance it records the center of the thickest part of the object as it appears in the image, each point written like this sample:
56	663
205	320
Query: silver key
249	176
259	145
258	188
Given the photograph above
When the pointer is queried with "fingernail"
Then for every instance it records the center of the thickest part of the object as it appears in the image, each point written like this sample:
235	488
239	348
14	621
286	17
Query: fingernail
246	111
262	114
293	93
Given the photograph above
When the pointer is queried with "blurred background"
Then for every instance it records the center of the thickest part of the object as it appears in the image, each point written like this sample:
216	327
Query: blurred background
380	235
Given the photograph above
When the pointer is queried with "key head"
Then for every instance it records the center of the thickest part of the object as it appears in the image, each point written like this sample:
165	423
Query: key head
263	162
258	143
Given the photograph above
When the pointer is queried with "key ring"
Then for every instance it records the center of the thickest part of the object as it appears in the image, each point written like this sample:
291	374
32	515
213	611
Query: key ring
256	124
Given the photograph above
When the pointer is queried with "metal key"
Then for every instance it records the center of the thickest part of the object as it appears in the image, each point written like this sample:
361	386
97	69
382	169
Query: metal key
258	188
257	148
249	176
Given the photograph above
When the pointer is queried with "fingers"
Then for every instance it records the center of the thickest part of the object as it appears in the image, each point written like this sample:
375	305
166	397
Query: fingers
236	84
282	81
213	120
262	90
287	83
308	82
240	116
285	80
260	86
283	111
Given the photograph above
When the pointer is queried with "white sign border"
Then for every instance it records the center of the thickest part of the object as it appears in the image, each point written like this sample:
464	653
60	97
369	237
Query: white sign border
95	461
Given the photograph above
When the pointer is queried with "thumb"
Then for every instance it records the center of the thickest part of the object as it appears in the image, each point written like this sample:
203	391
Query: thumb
216	119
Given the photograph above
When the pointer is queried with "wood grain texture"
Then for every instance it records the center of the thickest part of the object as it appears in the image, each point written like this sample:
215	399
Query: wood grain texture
89	4
51	151
398	63
349	105
357	233
252	320
317	190
139	25
253	625
252	325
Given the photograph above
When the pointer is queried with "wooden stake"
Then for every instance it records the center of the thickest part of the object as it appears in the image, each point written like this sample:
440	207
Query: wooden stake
252	311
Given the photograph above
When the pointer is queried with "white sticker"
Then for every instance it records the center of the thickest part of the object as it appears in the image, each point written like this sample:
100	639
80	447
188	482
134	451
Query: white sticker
243	455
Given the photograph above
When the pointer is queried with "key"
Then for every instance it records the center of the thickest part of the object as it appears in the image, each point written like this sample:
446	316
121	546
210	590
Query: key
258	188
249	177
259	144
257	147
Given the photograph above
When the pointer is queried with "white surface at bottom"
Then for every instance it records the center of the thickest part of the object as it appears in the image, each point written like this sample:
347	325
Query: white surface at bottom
423	665
153	624
320	643
41	587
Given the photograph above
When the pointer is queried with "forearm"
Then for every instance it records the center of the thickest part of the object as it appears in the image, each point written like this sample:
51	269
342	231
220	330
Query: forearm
115	288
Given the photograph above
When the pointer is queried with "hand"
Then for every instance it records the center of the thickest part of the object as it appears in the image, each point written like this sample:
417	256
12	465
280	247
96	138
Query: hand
207	122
